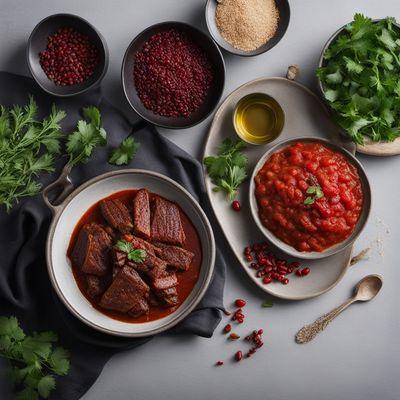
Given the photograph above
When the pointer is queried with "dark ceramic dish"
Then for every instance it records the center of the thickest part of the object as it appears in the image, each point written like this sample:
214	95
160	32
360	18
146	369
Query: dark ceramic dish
215	91
38	41
284	17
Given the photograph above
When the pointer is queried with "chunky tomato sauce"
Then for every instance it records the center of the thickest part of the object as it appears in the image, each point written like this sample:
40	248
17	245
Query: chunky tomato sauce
186	280
281	189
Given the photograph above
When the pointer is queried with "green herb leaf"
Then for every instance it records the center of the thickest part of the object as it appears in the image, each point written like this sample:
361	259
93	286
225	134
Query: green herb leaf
267	304
23	139
309	200
135	255
33	360
125	152
228	169
88	136
46	385
360	79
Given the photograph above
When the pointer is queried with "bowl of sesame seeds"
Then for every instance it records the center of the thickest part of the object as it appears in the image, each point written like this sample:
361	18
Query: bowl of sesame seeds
247	27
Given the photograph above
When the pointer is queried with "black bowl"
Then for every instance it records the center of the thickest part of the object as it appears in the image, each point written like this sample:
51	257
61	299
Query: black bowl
284	17
38	41
214	94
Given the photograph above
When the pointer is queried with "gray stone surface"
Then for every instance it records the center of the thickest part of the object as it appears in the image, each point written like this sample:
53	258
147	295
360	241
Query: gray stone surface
358	356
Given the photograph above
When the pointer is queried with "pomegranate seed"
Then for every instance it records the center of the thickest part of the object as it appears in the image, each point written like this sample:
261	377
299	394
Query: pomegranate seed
234	336
226	312
285	281
254	265
263	261
298	272
227	328
305	271
219	363
260	332
248	257
238	355
267	280
247	250
240	302
236	205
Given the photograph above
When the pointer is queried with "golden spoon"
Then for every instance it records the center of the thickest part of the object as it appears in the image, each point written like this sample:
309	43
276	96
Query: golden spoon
365	290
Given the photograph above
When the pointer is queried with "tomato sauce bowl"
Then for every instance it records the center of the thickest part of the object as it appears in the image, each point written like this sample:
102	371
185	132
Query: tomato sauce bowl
309	197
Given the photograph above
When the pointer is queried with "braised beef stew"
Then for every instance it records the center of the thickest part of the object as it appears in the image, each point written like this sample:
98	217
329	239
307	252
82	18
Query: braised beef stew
135	256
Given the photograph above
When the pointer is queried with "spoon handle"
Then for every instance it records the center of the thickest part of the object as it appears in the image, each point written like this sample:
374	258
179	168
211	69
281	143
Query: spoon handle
308	332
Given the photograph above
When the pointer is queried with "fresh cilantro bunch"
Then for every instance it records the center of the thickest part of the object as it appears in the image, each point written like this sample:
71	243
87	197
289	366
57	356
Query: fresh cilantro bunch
228	168
125	152
315	192
28	146
34	359
89	135
361	80
135	255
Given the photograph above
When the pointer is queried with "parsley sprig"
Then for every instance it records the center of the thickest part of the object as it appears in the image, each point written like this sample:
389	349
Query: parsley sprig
228	168
135	255
34	359
28	146
360	79
125	152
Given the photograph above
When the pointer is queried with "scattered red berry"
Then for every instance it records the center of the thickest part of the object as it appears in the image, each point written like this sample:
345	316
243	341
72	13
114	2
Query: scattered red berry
234	336
227	328
238	355
305	271
219	363
240	302
236	205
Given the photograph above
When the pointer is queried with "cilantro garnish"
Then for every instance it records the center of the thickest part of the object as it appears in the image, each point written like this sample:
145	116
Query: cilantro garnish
316	193
360	79
228	168
34	359
125	152
135	255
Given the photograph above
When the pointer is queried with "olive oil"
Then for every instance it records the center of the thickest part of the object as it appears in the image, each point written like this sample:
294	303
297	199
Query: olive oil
258	118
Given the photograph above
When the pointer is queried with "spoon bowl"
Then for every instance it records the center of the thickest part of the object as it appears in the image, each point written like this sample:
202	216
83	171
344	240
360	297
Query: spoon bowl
368	288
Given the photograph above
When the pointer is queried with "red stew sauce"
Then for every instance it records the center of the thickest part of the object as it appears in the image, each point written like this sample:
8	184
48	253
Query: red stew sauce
281	188
186	280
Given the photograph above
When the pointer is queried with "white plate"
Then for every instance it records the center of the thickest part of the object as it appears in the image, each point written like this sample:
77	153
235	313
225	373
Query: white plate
67	215
305	115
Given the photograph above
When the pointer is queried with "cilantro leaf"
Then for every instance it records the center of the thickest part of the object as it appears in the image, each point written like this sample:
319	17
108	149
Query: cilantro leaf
267	304
125	152
34	362
46	385
360	79
135	255
228	169
88	136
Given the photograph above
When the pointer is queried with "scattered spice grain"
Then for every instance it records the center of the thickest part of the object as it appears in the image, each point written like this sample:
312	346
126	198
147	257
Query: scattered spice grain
247	24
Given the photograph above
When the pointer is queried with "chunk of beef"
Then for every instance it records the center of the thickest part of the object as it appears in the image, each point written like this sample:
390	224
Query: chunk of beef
126	290
117	215
166	224
174	256
156	266
94	286
92	248
141	213
167	297
167	280
140	308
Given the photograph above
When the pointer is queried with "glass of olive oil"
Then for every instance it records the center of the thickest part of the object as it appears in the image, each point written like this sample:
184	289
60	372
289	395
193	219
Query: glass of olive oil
258	118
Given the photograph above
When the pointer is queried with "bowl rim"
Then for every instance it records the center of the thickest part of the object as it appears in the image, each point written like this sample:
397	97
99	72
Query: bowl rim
123	66
84	21
59	209
361	223
233	50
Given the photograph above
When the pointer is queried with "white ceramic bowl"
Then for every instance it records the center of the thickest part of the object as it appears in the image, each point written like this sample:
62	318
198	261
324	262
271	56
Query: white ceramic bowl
312	255
66	216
